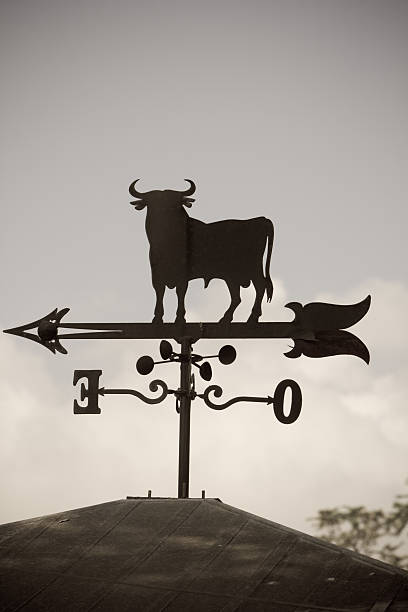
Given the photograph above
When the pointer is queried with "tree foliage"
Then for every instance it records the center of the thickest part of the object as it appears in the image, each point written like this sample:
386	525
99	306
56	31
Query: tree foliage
377	533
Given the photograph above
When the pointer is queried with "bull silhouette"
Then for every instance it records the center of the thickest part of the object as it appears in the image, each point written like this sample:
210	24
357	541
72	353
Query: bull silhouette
183	248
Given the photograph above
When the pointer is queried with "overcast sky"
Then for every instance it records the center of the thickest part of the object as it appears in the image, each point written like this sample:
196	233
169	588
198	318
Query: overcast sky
292	110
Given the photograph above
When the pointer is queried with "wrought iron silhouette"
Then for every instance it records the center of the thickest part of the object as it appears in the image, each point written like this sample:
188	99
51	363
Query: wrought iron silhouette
183	248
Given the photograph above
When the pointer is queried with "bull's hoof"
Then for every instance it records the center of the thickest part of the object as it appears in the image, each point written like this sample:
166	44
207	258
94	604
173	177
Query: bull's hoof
253	318
157	319
179	320
225	319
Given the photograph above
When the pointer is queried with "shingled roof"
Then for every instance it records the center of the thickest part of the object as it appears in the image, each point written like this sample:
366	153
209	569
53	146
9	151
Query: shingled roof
152	554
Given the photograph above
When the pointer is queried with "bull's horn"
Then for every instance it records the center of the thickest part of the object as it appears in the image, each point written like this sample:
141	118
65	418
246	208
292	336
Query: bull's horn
134	193
189	191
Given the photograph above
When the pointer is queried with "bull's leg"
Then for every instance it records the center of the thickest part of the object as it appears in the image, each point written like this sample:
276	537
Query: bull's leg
181	310
159	288
259	284
235	293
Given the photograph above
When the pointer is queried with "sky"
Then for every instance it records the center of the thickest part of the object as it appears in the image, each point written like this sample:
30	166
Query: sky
291	110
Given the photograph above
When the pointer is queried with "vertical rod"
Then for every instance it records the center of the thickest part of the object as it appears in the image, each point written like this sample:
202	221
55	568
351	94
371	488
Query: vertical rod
185	406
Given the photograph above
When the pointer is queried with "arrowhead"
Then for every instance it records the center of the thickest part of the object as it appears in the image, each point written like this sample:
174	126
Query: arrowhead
47	330
101	391
269	400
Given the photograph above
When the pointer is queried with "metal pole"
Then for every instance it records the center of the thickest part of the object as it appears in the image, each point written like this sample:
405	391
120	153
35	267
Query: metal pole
185	405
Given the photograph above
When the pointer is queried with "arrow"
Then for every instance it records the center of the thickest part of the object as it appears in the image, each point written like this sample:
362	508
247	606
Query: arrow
277	400
242	398
315	330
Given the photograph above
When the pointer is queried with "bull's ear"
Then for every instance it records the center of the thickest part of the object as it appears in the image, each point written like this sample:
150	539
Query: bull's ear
187	202
138	204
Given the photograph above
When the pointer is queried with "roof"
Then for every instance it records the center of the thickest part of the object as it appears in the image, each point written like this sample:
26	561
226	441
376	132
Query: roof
151	554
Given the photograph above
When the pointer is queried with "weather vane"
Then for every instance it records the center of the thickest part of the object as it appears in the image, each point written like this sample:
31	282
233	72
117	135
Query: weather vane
183	249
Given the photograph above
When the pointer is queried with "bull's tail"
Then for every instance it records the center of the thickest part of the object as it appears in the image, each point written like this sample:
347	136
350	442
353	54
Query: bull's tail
268	280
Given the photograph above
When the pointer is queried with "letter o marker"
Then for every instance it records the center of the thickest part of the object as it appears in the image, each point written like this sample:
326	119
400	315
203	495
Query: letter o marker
279	399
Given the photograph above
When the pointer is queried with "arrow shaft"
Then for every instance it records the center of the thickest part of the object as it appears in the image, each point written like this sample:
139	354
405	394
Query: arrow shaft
217	391
131	331
121	392
154	385
241	398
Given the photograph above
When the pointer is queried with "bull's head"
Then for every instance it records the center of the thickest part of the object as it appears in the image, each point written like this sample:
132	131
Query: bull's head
175	198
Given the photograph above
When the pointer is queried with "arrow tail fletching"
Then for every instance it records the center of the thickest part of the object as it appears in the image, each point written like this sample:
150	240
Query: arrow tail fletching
319	316
330	343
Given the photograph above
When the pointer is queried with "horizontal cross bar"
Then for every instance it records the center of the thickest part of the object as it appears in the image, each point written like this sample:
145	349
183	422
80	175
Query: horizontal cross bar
317	330
152	331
